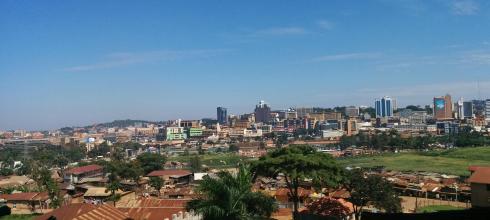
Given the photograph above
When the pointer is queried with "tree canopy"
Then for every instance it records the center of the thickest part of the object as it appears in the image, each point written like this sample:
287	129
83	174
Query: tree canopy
373	190
297	163
151	162
230	197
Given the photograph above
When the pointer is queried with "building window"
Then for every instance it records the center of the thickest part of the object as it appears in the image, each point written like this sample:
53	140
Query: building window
488	187
14	205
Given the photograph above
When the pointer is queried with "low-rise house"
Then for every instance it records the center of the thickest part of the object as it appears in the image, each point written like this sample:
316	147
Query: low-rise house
99	195
480	186
85	211
158	209
15	181
26	203
77	174
173	177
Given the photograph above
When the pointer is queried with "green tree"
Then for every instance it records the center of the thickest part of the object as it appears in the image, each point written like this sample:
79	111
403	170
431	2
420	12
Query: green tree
157	183
195	163
373	190
233	148
113	186
298	163
151	162
6	171
42	176
230	197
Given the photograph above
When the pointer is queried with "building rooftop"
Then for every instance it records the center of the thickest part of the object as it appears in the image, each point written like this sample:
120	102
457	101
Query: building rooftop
480	175
28	196
176	173
68	212
84	169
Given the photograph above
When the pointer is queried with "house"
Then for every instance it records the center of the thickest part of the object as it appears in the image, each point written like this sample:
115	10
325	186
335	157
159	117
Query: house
85	211
480	186
158	209
98	195
173	177
26	203
77	174
15	181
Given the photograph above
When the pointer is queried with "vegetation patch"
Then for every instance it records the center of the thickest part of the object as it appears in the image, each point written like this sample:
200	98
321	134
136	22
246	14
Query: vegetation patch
454	161
437	208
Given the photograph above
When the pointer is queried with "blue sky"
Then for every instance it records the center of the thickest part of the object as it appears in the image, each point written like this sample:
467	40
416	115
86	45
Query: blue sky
65	63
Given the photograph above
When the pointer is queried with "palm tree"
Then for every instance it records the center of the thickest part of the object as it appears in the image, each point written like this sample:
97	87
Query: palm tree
230	197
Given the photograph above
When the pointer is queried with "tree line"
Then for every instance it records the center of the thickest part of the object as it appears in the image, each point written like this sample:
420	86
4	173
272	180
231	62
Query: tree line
229	196
391	140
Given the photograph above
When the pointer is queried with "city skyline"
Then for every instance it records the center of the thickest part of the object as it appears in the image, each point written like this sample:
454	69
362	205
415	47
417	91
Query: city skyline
79	63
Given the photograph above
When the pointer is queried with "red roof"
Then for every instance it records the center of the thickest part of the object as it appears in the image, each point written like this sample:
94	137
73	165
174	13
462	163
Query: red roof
161	203
68	212
170	173
344	194
151	213
474	168
480	175
29	196
84	169
103	212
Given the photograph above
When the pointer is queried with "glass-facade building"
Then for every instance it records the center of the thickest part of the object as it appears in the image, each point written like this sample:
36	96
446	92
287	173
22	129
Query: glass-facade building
384	107
222	115
467	109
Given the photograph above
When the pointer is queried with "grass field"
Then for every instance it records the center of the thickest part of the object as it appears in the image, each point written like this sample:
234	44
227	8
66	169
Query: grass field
18	217
436	208
454	161
213	160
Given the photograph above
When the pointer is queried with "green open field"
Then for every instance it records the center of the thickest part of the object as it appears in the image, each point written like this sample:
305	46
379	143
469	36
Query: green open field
18	217
437	208
454	161
213	160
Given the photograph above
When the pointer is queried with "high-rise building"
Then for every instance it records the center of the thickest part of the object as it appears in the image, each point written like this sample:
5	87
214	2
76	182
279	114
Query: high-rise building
459	109
468	110
479	108
443	107
262	112
384	107
222	115
487	109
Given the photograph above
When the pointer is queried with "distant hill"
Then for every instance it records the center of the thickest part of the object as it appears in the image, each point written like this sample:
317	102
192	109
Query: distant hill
121	123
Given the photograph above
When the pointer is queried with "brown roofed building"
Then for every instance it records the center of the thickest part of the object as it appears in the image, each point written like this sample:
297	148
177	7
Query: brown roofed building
85	212
27	203
480	186
77	174
173	177
158	209
68	212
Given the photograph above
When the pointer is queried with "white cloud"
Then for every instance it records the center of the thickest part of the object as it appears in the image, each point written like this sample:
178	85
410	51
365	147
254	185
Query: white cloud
325	24
347	56
464	7
481	57
127	58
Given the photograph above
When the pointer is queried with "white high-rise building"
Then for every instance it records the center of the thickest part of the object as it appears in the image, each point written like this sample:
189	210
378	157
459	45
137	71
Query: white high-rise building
460	108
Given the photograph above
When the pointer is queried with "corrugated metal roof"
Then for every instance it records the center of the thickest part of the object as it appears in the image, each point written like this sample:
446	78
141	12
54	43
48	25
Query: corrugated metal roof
84	169
170	173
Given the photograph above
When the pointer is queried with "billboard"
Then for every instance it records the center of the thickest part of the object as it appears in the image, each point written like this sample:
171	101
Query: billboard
439	103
